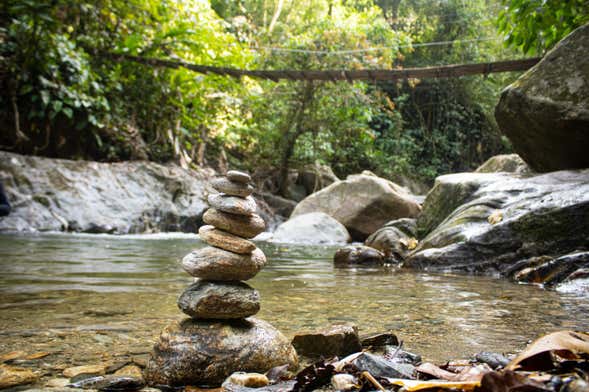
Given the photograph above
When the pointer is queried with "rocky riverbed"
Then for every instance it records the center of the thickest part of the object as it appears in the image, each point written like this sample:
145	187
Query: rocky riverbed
103	299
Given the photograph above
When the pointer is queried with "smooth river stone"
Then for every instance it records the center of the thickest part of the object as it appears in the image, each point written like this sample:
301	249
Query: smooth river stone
212	263
219	300
205	353
238	176
224	240
240	225
232	188
233	204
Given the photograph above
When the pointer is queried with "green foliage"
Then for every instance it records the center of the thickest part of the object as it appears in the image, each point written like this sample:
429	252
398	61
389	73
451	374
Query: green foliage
534	26
65	94
63	78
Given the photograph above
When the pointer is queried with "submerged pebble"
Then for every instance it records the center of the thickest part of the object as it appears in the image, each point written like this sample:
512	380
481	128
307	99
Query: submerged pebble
110	383
13	376
250	380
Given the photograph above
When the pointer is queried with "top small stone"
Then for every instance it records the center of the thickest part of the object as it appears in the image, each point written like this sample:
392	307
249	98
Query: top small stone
238	176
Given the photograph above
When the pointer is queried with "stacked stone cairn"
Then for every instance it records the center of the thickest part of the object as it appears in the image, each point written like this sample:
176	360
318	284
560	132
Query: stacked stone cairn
220	337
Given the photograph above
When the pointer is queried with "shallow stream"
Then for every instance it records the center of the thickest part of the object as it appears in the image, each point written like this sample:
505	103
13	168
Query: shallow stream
96	298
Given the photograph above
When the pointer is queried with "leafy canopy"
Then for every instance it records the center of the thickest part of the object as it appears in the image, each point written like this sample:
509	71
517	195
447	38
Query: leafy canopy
534	26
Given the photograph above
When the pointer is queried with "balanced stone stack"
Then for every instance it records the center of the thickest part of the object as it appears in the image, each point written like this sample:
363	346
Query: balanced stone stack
231	258
221	337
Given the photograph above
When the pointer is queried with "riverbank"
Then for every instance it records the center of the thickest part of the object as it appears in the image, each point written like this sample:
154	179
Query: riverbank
82	296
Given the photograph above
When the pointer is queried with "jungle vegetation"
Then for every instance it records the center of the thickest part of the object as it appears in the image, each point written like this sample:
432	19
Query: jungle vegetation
66	94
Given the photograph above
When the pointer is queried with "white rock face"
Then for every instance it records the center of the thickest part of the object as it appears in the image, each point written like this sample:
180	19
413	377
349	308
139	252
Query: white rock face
82	196
313	228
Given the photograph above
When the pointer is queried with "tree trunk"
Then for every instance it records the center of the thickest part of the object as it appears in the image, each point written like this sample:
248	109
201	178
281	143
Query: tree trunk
294	129
275	16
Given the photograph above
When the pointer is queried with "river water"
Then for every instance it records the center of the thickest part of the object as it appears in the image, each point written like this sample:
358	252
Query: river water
96	298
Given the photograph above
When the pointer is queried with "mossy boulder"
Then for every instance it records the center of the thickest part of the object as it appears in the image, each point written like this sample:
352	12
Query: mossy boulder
510	163
448	193
545	113
488	222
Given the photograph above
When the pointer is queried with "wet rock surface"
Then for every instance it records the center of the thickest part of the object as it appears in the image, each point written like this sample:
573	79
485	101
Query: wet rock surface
239	225
395	239
545	113
491	223
226	241
212	263
362	203
312	228
219	300
358	255
127	197
379	340
195	352
550	271
110	383
337	340
381	367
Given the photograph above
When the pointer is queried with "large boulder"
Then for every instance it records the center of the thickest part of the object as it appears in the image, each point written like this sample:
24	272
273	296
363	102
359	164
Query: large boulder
313	228
545	113
362	203
510	163
127	197
448	193
195	352
487	223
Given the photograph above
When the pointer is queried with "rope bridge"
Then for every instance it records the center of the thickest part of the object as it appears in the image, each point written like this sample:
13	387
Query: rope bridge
444	71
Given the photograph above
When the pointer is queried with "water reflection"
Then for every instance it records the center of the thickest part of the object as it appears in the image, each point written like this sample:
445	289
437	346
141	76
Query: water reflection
128	286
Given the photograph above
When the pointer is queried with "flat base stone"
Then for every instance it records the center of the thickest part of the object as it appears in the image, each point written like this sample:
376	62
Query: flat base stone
205	353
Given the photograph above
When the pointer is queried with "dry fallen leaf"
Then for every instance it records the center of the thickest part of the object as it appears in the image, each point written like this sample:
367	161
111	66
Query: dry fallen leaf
509	381
435	371
409	243
537	356
467	373
417	385
495	217
412	243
